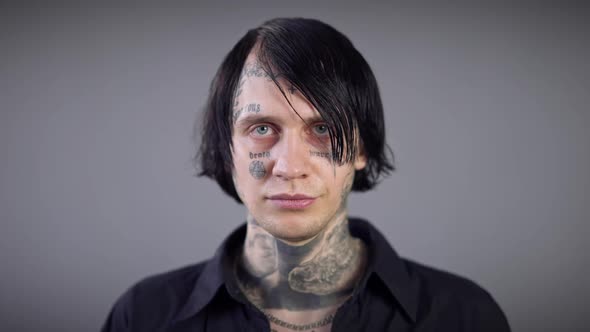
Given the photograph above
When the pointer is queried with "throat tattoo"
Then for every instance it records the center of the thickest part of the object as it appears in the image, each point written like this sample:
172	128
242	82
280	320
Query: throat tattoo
273	275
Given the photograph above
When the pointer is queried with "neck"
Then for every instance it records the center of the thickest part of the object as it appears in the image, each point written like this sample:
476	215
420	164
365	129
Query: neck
319	273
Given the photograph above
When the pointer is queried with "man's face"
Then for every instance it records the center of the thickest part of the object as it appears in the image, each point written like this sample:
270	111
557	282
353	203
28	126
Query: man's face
283	171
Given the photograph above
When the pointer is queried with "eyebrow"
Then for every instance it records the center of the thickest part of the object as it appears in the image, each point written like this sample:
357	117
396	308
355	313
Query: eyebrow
250	119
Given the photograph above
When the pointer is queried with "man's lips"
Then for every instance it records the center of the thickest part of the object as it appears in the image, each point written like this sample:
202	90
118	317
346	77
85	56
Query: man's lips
290	196
291	201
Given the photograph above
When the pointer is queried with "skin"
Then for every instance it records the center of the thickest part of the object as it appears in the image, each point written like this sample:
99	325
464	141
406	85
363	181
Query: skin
299	265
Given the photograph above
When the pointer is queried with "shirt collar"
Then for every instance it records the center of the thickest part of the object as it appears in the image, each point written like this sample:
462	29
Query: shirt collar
383	262
215	273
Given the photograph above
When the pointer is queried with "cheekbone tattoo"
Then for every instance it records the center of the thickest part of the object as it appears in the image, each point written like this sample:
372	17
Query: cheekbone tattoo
327	155
257	169
265	154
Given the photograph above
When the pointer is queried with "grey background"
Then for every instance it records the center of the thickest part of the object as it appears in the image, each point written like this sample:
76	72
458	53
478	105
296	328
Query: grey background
486	110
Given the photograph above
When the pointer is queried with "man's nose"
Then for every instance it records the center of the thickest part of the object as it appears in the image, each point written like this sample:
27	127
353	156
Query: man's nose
291	157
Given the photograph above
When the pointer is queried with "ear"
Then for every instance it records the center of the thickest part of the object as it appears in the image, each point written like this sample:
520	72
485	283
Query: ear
360	161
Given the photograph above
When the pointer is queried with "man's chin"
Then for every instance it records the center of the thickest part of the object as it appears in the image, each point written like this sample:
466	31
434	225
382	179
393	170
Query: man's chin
292	231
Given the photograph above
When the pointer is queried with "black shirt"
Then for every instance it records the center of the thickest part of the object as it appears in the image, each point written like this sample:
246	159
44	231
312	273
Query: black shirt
394	294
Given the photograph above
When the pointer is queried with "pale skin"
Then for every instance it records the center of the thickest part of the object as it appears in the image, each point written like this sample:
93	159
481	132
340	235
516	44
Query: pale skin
298	264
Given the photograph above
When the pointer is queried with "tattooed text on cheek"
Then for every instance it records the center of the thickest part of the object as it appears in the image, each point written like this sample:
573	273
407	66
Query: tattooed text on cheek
254	155
327	155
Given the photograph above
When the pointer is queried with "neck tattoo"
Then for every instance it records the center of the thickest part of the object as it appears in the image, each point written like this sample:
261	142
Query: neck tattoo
298	327
317	276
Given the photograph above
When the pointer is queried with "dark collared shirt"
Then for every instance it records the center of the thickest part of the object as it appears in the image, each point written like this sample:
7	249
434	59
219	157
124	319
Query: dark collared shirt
394	294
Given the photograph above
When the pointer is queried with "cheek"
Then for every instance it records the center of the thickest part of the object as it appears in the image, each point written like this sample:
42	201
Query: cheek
240	174
251	161
249	176
257	169
343	184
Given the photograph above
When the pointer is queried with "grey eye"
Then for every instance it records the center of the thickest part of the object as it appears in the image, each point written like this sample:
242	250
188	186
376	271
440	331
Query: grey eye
262	130
321	129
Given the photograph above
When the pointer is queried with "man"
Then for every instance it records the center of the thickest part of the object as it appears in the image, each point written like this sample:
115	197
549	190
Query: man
293	123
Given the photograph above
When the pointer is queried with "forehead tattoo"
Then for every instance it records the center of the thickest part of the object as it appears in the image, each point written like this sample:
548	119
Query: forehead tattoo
255	69
251	69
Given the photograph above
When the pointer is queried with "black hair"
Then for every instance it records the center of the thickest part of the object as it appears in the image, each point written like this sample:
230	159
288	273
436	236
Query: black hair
323	65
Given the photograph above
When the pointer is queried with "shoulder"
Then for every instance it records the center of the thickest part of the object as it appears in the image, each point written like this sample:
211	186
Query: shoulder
153	299
174	281
446	294
442	283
